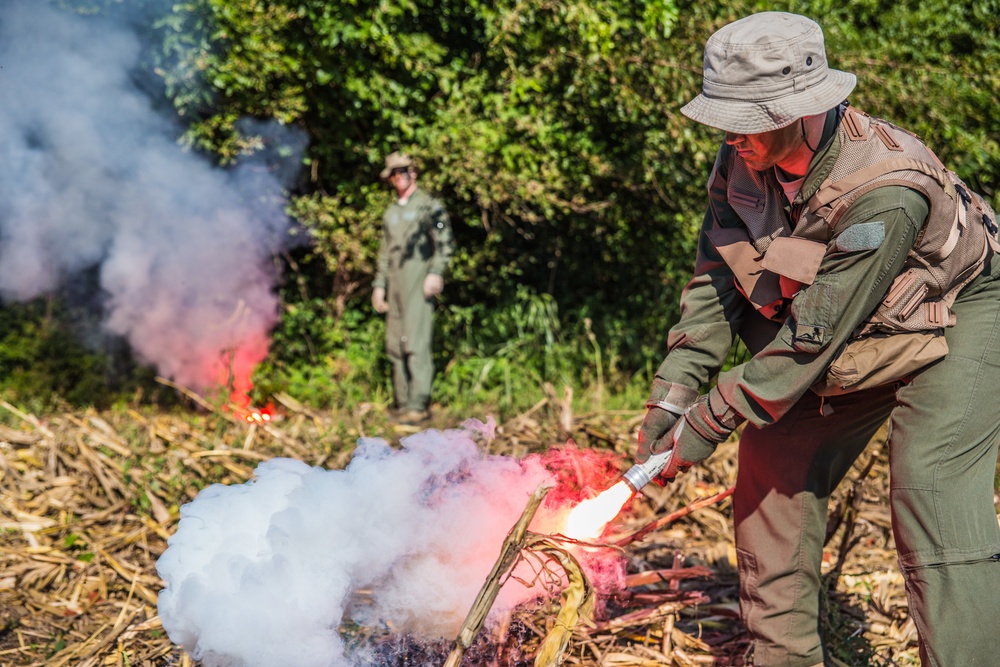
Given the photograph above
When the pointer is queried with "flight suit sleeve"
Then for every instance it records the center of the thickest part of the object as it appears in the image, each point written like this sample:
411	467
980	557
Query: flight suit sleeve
382	262
439	228
712	308
865	255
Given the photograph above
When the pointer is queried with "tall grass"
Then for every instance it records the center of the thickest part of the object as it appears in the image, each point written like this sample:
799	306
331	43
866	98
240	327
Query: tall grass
505	358
498	361
489	360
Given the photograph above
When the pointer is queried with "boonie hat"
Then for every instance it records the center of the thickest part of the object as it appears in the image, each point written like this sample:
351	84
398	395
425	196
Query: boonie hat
764	72
395	160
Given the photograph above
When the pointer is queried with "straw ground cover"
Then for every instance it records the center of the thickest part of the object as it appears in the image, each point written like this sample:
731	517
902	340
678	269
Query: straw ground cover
88	500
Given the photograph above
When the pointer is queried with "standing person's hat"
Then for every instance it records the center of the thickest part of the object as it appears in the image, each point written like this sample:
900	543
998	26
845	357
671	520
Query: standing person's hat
764	72
394	161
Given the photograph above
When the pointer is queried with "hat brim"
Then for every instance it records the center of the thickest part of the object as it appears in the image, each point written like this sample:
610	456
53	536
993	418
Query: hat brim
754	117
384	174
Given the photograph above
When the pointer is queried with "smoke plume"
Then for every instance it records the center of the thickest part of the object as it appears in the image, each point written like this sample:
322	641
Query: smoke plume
93	179
264	574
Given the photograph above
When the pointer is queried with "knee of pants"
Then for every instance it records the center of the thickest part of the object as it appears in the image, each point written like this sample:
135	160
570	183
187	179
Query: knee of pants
954	610
942	526
941	493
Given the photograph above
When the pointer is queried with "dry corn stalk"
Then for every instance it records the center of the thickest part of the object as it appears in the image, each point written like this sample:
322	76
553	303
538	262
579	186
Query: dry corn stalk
576	603
509	553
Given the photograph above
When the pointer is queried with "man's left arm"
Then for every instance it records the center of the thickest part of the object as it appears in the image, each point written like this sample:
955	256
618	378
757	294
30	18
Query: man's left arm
439	228
864	257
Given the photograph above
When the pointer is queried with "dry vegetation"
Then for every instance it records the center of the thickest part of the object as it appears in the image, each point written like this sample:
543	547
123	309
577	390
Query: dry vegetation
88	500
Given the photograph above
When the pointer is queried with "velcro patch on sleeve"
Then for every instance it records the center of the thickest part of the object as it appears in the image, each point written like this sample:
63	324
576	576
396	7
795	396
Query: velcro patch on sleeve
809	336
861	236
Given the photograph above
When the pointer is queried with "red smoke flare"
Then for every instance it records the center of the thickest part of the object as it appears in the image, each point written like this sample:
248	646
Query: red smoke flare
579	473
261	415
234	371
588	520
582	476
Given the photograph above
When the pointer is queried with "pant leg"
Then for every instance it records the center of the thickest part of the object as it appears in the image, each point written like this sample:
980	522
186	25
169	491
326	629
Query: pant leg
786	475
395	350
943	455
419	360
421	366
400	380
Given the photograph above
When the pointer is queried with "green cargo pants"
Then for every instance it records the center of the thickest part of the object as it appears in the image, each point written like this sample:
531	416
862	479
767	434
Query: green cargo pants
409	334
945	429
412	376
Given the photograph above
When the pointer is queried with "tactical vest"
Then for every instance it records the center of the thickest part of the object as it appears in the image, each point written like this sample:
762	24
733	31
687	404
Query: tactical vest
772	261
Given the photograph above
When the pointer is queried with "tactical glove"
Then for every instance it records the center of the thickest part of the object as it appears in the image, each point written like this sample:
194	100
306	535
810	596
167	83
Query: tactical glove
707	423
666	404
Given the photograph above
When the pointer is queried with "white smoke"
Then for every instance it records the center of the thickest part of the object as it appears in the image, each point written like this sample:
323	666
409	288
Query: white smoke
263	574
92	177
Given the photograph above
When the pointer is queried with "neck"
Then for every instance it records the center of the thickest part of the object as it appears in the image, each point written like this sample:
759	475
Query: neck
405	194
796	164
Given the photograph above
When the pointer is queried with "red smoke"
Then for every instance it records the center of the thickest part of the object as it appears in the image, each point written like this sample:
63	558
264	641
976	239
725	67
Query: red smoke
233	373
580	473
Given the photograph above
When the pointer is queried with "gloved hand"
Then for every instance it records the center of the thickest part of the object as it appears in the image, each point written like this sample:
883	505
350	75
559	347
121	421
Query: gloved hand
378	300
707	423
433	285
661	415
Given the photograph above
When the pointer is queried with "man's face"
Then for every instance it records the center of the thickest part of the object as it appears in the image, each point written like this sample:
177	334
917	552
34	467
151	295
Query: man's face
763	151
401	179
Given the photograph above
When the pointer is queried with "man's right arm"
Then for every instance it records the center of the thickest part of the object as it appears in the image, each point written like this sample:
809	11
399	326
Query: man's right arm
712	307
381	274
712	310
382	262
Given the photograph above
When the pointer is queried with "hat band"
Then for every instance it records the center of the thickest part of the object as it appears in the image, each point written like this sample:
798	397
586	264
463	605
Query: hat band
758	92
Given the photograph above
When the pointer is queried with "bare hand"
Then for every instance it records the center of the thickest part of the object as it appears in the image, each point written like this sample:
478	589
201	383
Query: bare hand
433	285
378	300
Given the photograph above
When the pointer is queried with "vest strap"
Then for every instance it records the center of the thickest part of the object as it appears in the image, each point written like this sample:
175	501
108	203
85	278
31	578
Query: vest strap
831	191
958	226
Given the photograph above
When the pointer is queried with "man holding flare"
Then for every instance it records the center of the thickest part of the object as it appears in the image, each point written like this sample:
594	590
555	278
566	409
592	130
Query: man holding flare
862	277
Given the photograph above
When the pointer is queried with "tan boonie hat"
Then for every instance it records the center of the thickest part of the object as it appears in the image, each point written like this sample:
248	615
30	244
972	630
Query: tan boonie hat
764	72
395	160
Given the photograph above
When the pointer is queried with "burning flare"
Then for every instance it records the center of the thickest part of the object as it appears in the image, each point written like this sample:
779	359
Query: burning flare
587	520
260	415
252	415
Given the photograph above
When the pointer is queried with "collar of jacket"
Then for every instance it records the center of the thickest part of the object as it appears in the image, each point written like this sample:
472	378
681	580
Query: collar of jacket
826	156
413	195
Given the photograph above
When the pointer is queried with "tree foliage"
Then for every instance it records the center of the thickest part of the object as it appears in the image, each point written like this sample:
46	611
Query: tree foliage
552	132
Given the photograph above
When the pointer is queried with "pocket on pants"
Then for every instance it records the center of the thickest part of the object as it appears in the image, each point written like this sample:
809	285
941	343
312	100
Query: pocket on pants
746	565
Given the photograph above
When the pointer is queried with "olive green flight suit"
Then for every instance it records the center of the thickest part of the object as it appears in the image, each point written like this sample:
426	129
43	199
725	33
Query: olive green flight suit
416	241
945	429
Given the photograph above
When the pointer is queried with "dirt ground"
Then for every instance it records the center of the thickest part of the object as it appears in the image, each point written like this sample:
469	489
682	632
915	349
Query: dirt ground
88	500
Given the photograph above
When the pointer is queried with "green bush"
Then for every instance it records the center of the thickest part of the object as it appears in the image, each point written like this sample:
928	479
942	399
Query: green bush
44	363
552	133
